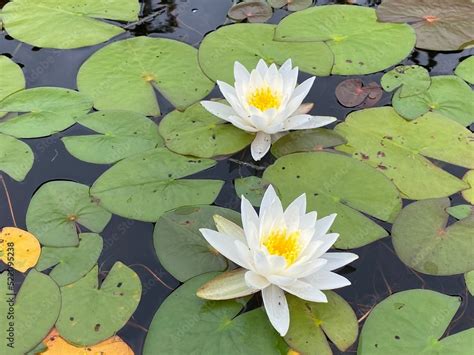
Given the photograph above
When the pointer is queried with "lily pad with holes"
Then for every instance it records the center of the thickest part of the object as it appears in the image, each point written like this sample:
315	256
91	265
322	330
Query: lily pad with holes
399	149
71	263
248	43
312	323
460	211
252	187
252	11
122	134
199	133
46	110
68	23
468	193
12	78
146	185
360	44
34	311
440	25
181	248
411	79
186	324
292	5
16	157
59	208
335	183
465	70
448	95
125	74
91	313
412	322
423	241
469	278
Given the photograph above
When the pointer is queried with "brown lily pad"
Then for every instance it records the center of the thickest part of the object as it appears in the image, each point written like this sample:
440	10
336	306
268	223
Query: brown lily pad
252	11
352	93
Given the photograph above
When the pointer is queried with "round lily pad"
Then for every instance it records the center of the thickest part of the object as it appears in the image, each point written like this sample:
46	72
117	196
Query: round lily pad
186	324
24	247
146	185
412	80
252	11
122	134
423	241
181	248
46	110
448	95
335	183
360	44
16	157
125	74
460	211
412	322
90	314
465	70
248	43
252	187
399	149
12	78
468	193
199	133
58	208
67	23
350	92
292	5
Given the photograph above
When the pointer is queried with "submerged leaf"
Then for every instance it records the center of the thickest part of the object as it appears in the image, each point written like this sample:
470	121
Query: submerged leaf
252	11
12	78
16	157
465	70
412	79
18	248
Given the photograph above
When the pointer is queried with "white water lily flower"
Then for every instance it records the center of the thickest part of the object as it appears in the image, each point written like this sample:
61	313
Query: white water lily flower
280	251
266	102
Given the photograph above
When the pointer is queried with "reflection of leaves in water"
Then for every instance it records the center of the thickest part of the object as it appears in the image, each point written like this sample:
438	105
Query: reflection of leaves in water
164	22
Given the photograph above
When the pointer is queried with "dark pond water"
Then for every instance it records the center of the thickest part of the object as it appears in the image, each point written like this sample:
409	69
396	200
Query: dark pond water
377	273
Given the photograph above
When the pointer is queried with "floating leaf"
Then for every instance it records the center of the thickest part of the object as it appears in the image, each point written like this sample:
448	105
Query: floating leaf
440	25
35	311
125	74
335	183
352	93
292	5
411	322
447	95
248	43
122	134
312	322
360	44
252	187
146	185
71	263
47	110
468	194
18	248
213	327
199	133
12	78
58	208
465	70
423	242
400	148
460	211
90	314
181	248
412	80
469	278
68	23
252	11
16	157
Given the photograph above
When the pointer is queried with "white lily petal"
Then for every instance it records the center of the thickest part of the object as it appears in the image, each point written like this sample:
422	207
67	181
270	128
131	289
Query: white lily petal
256	281
229	228
322	225
260	145
293	212
306	291
308	122
326	280
276	307
218	109
304	108
308	220
266	264
338	260
279	280
262	67
328	241
250	223
307	268
241	73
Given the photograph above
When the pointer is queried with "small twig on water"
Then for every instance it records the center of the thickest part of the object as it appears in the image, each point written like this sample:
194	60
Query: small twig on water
146	18
9	201
250	165
136	325
154	275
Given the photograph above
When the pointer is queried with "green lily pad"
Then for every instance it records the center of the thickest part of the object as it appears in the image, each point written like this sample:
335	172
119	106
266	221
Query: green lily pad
312	322
353	34
252	11
199	133
309	140
57	210
125	74
292	5
181	248
46	110
252	187
90	314
411	322
16	157
447	95
68	23
440	25
423	241
122	134
35	311
460	211
71	263
412	80
469	278
468	194
248	43
186	324
12	78
465	70
146	185
399	149
335	183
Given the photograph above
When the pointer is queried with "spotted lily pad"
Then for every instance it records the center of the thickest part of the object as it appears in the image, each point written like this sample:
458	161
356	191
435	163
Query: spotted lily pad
412	80
292	5
125	74
465	70
90	314
46	110
252	11
146	185
335	183
360	44
16	157
468	194
412	322
57	210
460	211
399	149
12	78
252	187
122	134
67	23
423	242
19	245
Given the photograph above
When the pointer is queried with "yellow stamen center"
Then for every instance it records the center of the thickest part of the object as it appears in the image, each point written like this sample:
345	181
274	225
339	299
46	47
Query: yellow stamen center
264	99
279	242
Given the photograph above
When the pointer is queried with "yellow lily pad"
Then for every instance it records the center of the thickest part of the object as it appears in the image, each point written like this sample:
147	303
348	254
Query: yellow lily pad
18	248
